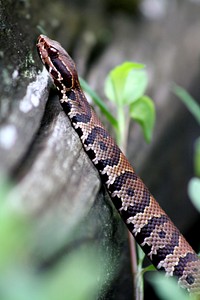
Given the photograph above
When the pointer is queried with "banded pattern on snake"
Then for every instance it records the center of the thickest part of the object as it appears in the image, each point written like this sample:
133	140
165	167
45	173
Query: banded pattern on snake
151	227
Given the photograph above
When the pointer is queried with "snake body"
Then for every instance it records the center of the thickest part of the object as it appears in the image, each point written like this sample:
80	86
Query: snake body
151	227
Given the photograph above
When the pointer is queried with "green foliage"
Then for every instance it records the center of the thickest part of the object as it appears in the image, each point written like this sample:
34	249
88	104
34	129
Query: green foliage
126	83
125	86
166	288
79	275
143	112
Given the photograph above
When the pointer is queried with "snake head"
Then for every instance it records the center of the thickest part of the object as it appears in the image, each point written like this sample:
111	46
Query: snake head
58	63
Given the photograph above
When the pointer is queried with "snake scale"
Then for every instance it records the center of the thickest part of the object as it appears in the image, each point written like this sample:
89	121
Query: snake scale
151	227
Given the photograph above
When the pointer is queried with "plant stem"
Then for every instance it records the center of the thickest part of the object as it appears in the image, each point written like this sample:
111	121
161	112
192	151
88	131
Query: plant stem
123	126
134	267
139	292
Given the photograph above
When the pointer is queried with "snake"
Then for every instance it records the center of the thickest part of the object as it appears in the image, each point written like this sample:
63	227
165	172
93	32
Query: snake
151	227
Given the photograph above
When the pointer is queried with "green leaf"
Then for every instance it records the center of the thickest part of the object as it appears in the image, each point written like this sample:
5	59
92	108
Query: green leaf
126	83
194	192
141	255
143	112
167	288
149	268
189	102
197	157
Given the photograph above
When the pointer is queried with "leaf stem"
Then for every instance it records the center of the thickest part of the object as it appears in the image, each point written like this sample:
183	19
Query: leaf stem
189	102
137	287
123	127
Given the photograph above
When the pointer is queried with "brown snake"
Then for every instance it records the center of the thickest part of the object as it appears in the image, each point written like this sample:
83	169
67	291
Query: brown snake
151	227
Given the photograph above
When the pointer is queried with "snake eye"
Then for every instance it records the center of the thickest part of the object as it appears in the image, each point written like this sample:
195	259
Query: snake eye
52	52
